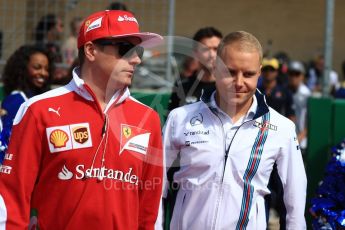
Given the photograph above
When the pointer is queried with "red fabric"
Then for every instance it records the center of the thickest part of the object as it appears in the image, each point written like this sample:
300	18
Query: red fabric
79	203
111	23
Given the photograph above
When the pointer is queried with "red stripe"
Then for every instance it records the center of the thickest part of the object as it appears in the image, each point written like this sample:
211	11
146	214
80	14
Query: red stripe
246	208
255	156
247	178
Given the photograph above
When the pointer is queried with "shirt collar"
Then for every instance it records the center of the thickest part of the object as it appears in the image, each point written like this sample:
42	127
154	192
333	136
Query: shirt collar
249	115
78	85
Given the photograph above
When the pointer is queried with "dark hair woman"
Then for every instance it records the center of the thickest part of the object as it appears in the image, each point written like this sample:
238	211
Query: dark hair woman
27	73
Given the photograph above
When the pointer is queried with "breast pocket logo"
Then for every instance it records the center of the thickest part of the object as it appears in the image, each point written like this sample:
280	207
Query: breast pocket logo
58	138
127	131
80	134
67	137
134	139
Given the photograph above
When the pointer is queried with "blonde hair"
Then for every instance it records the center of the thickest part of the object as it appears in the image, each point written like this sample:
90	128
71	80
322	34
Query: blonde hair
243	41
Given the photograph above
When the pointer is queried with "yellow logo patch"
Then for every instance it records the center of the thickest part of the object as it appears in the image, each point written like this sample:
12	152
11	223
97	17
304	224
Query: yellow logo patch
127	131
87	23
58	138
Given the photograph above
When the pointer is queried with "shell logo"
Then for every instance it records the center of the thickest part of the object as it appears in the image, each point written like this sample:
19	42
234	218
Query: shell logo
58	138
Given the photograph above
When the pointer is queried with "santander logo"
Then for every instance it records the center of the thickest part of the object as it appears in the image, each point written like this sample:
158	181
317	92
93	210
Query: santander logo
126	18
81	172
65	174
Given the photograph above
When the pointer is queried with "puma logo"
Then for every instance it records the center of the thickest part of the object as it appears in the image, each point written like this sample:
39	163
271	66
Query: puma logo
54	111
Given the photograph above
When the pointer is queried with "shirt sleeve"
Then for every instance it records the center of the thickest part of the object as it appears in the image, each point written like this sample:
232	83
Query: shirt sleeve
151	187
292	173
19	171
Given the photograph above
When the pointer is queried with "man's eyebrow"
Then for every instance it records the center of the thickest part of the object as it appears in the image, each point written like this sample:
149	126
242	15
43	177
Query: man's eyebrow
251	71
247	71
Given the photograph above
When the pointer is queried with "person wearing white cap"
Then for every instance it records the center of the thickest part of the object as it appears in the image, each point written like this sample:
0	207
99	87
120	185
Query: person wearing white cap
87	155
300	94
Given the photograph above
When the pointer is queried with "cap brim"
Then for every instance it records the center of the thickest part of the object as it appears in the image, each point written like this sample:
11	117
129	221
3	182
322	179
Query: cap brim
147	39
265	66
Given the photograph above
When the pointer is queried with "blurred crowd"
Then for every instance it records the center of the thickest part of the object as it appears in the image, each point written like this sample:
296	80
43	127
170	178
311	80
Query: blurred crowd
286	82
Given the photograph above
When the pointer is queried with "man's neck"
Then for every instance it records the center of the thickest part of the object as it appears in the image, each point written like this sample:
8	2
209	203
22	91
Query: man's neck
99	87
235	112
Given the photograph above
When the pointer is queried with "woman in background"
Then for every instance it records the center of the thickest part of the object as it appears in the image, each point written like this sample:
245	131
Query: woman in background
27	73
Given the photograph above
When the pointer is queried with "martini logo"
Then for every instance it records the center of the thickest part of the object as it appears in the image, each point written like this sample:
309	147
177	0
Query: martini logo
58	138
265	126
80	134
134	139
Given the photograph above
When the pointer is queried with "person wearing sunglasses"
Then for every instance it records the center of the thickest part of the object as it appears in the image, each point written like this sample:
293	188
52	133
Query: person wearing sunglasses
90	155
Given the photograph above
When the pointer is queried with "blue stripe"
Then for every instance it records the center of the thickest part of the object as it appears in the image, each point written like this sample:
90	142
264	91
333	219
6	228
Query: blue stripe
261	148
252	167
250	204
252	155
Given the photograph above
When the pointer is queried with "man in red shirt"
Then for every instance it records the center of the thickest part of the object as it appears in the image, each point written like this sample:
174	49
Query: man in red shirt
87	155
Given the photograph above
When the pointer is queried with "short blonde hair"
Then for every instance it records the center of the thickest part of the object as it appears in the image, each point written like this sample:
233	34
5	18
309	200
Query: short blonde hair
243	40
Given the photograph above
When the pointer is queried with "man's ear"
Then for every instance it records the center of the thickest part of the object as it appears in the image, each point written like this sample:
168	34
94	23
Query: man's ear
90	51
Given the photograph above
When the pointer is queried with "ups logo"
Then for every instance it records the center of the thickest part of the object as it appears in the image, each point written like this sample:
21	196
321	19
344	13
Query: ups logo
80	134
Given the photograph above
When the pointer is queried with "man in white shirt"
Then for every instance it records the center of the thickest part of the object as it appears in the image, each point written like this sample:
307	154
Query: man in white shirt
300	93
222	150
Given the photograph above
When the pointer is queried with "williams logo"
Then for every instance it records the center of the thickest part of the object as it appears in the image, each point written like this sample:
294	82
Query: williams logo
80	134
58	138
196	120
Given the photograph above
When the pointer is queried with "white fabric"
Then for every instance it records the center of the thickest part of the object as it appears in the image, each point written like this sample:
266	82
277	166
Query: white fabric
300	99
207	199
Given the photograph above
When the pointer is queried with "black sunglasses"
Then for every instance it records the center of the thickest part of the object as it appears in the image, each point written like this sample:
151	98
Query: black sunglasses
124	48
